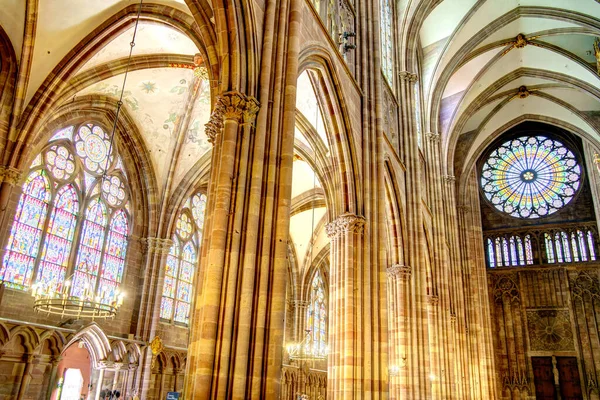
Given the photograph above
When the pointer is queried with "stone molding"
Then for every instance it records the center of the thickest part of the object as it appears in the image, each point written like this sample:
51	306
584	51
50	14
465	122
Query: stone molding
433	137
157	245
299	303
408	76
399	270
10	175
345	223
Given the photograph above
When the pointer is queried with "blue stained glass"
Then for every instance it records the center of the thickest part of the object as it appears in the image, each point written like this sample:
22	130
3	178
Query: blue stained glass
184	291
90	248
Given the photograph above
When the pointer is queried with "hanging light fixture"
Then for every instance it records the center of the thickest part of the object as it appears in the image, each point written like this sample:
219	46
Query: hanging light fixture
57	299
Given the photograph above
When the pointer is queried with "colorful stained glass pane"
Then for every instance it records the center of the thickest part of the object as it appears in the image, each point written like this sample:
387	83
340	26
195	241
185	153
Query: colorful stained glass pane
91	244
184	292
316	319
182	312
115	252
93	146
169	287
26	232
64	133
528	250
59	238
113	190
530	176
549	248
60	162
184	226
198	209
166	308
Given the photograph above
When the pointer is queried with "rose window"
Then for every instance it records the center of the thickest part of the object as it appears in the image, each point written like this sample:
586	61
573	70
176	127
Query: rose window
93	145
531	176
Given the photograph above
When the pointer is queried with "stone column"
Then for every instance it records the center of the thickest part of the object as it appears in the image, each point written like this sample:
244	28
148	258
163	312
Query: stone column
53	380
399	294
156	250
9	178
419	357
345	362
28	359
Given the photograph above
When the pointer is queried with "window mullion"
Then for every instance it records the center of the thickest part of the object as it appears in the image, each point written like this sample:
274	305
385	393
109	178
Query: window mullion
36	265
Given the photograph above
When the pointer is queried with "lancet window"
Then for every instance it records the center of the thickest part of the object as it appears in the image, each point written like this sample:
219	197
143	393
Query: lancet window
181	262
73	217
387	42
316	315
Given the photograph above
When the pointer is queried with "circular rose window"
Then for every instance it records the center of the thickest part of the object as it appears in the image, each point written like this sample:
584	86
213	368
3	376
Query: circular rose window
530	176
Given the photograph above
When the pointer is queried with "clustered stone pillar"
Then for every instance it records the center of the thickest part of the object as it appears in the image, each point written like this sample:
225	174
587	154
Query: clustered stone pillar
418	386
399	294
345	334
156	250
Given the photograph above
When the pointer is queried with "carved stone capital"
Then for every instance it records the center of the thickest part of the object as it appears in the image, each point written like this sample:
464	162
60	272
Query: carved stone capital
433	137
250	111
448	178
10	175
157	245
408	76
345	223
299	303
399	270
214	125
233	105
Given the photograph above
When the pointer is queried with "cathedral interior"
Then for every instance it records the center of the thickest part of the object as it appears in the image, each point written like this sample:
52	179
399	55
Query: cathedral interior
299	199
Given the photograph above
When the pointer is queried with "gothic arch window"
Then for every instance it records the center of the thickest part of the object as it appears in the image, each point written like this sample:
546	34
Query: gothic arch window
73	218
182	260
387	42
316	314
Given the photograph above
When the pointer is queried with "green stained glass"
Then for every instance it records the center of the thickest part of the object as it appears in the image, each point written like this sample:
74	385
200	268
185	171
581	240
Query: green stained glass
530	176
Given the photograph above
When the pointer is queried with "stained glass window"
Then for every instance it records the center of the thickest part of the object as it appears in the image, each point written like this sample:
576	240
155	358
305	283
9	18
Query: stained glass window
387	41
182	260
316	315
59	239
509	251
91	215
26	233
530	176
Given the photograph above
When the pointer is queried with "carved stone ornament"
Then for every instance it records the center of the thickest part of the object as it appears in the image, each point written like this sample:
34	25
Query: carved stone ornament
399	270
10	175
550	330
506	288
234	105
214	125
585	286
408	76
345	223
157	245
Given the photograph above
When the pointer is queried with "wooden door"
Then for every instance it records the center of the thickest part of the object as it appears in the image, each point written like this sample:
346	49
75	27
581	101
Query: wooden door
570	384
543	378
